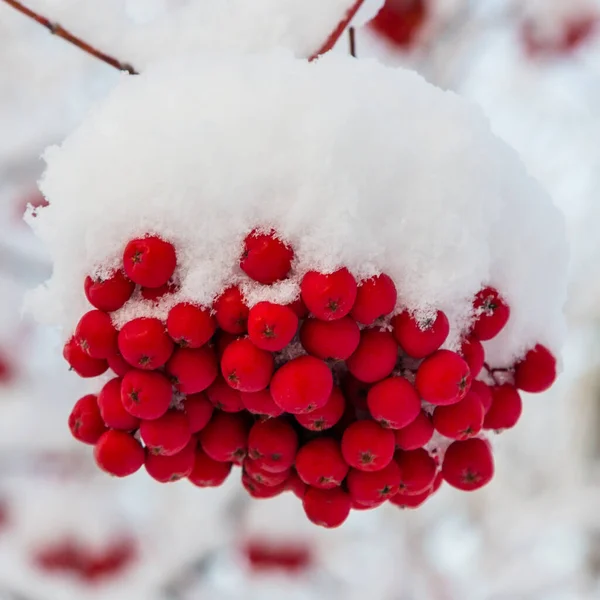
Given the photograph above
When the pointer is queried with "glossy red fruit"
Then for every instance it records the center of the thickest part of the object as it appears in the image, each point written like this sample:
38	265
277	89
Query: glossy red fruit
410	500
462	420
144	343
394	402
198	410
224	397
327	508
302	385
225	438
253	469
111	407
374	487
416	434
155	294
273	443
443	378
231	311
168	469
299	308
419	338
537	371
320	464
483	391
190	326
327	416
149	261
192	370
266	258
271	326
329	297
260	491
85	421
118	364
330	339
473	353
83	364
375	298
168	434
375	357
245	367
96	335
119	453
506	408
368	446
260	403
146	394
400	22
108	294
207	472
492	314
355	391
468	465
417	469
295	485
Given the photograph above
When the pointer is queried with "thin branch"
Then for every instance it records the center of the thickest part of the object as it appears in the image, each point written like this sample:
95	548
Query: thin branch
352	41
337	33
59	31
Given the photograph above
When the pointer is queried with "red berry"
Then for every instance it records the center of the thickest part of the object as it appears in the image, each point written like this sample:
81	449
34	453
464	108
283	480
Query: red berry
149	261
273	443
146	394
468	465
118	364
375	357
400	23
506	408
374	487
484	393
260	491
83	364
260	403
223	397
320	464
85	421
271	326
330	339
111	407
299	308
119	453
295	485
443	378
537	371
417	470
190	326
245	367
302	385
394	402
266	258
253	469
155	294
356	392
416	434
375	298
329	297
167	469
410	500
207	472
192	370
367	446
327	508
198	410
419	338
108	294
96	335
231	311
326	416
492	314
461	420
168	434
144	343
225	438
473	353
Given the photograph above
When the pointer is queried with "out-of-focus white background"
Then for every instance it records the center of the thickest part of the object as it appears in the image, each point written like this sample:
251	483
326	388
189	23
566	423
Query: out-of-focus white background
533	534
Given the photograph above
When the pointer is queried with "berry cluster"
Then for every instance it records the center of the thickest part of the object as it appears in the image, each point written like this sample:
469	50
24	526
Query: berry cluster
335	397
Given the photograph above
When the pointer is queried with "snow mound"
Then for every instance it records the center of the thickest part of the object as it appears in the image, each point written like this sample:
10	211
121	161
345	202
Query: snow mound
353	163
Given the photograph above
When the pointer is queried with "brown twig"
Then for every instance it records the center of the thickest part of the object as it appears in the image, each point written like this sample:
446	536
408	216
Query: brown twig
59	31
352	41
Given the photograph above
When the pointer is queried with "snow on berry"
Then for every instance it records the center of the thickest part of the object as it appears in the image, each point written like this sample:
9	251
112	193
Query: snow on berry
331	304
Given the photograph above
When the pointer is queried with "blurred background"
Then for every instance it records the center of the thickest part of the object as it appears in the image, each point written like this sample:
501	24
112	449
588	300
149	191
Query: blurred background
68	531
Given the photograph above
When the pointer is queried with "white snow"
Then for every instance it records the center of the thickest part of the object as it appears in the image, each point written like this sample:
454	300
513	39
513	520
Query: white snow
354	163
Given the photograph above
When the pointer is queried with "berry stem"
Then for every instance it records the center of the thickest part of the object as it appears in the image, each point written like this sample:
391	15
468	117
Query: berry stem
352	41
59	31
337	33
